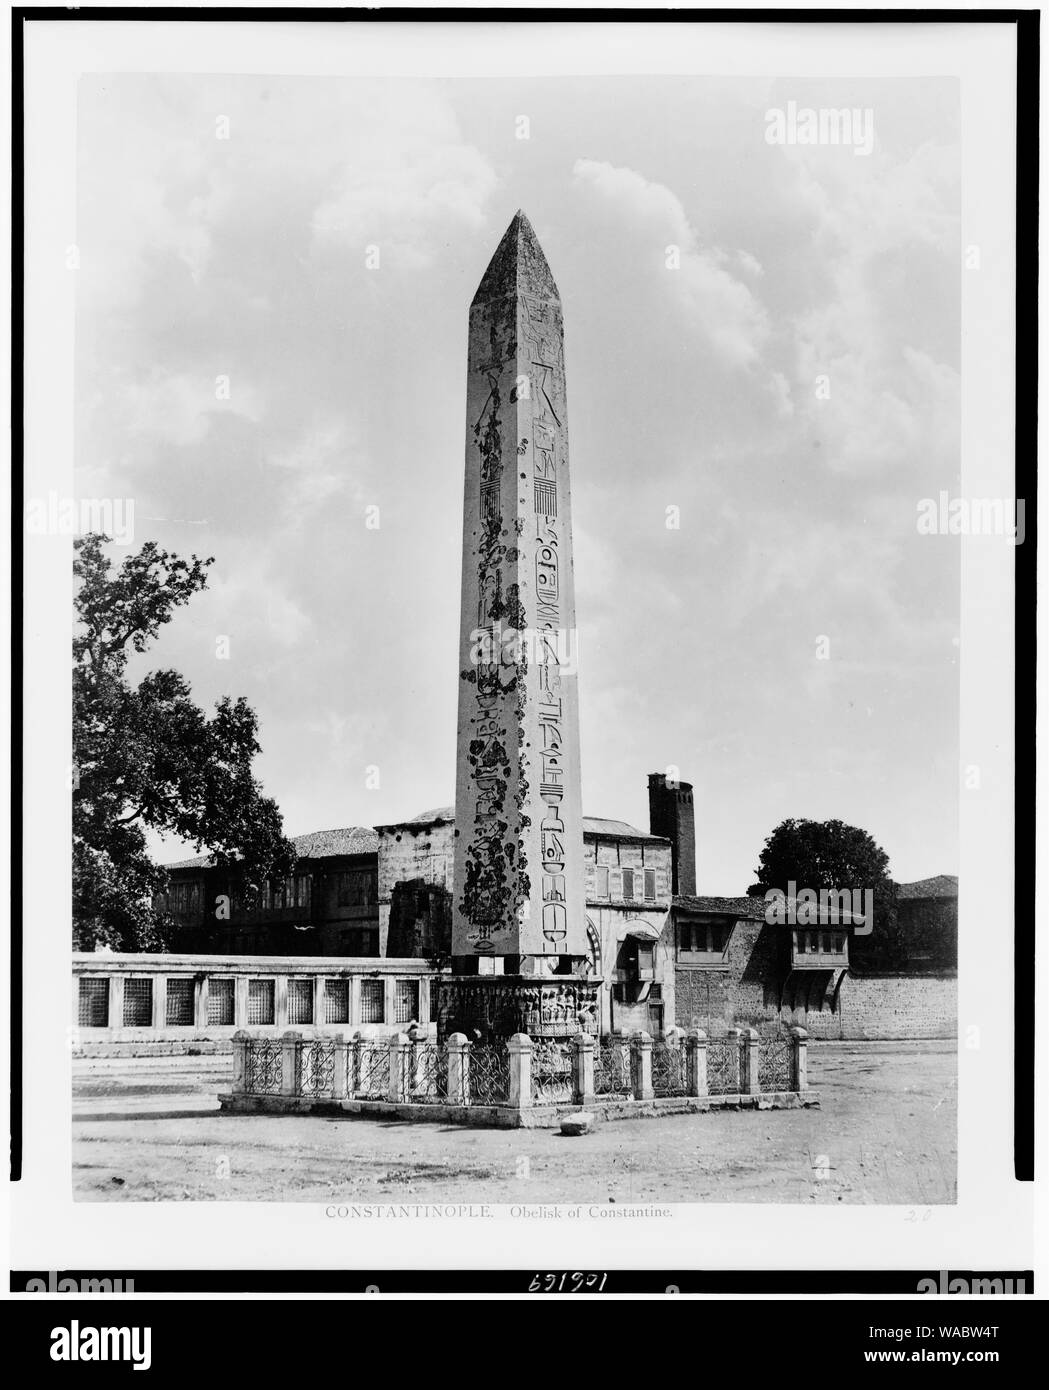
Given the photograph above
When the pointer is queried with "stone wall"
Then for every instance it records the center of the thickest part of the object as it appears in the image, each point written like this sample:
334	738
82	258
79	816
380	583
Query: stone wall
867	1007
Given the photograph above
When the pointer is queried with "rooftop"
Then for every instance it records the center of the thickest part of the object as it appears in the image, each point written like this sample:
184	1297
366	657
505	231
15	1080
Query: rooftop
725	907
942	886
319	844
592	825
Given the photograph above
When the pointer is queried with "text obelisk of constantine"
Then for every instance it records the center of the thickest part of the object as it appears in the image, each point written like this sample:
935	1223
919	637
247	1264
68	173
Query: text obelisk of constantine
519	890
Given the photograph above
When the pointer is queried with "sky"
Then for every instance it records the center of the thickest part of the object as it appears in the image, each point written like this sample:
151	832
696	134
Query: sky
786	384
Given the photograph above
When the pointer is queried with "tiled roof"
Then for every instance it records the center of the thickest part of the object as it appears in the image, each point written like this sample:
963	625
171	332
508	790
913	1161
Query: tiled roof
592	825
942	886
727	907
319	844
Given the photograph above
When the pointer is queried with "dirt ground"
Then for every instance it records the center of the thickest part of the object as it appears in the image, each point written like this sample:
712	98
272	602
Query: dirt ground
150	1130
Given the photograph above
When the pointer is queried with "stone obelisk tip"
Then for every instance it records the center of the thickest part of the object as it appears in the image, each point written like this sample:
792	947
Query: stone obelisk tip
518	266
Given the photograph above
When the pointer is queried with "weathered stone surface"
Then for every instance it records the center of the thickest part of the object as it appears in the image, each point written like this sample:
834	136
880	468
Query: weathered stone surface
518	880
582	1123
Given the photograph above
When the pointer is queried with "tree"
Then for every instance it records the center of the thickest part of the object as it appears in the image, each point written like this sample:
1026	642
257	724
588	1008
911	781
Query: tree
148	756
830	854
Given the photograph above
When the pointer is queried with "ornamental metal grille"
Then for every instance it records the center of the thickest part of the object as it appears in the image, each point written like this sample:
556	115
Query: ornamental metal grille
426	1075
612	1070
723	1067
138	1003
489	1075
406	1004
220	1002
336	1001
776	1063
179	1008
551	1072
300	1001
669	1070
260	1001
373	1001
317	1072
372	1069
93	1006
264	1069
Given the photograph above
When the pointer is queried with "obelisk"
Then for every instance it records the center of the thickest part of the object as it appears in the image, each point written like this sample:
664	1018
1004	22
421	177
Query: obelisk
519	889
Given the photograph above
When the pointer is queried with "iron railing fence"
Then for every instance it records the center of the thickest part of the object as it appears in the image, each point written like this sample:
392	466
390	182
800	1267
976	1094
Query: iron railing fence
317	1067
371	1070
724	1066
670	1070
612	1070
776	1063
264	1067
489	1068
553	1072
427	1072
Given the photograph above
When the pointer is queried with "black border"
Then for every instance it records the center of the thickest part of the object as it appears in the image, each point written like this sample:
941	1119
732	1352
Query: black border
1027	24
157	1282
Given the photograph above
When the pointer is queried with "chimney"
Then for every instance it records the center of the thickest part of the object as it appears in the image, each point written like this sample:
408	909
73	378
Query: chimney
672	814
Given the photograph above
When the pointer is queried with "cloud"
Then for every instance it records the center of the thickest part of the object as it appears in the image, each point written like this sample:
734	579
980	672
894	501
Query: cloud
721	307
406	183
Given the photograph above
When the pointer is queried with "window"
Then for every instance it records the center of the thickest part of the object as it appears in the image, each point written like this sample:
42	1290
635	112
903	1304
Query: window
138	1003
356	888
260	1001
300	1001
220	1003
702	942
601	881
406	1007
93	1009
303	885
179	1009
373	1001
628	885
650	885
336	1001
646	961
185	899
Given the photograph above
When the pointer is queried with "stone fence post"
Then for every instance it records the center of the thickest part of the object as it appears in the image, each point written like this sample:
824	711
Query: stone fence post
583	1069
291	1052
340	1075
696	1044
641	1066
520	1053
801	1040
752	1047
400	1054
353	1062
458	1069
736	1034
240	1062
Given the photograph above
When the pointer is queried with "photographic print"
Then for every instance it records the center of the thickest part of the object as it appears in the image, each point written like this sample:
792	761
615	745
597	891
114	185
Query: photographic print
528	539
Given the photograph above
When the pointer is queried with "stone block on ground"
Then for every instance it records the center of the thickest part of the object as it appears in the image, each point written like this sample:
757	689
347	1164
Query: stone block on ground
574	1125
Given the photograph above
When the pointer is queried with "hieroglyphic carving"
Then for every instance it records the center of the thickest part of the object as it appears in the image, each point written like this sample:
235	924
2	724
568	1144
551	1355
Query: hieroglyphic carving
542	334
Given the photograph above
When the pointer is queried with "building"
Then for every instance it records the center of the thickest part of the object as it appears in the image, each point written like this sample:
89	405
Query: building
387	892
